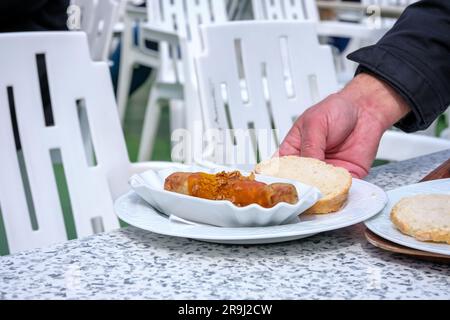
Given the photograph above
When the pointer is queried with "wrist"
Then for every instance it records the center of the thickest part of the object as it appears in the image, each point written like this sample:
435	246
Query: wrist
372	95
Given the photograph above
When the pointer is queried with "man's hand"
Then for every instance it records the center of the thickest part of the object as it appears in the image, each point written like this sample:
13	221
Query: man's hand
345	129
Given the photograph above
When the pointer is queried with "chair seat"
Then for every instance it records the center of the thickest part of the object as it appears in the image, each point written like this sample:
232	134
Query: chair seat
349	30
399	146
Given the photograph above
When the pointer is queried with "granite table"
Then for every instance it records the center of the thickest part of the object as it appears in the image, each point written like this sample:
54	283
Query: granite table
134	264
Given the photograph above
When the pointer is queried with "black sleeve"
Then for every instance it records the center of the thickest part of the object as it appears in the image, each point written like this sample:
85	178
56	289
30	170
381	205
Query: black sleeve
414	58
21	6
33	15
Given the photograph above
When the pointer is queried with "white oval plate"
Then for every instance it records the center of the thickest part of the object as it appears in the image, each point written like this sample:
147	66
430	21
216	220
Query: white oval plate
382	225
150	186
365	201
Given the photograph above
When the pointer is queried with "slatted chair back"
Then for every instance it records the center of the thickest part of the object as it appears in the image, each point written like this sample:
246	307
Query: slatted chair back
98	19
257	75
185	18
300	10
63	157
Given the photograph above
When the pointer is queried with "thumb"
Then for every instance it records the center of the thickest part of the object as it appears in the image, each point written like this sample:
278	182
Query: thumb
291	143
313	139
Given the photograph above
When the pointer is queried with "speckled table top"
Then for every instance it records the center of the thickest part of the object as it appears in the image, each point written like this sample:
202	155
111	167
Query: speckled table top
134	264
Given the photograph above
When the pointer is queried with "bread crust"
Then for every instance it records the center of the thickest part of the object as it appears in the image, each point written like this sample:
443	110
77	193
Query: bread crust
329	204
434	234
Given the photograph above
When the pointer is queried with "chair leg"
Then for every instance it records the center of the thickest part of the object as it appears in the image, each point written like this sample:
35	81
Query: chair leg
150	127
125	68
446	133
177	115
123	86
177	121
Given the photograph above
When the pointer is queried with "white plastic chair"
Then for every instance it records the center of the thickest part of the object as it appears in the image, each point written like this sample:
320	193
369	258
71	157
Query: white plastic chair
131	55
281	82
306	10
168	21
81	93
362	34
398	146
98	20
294	79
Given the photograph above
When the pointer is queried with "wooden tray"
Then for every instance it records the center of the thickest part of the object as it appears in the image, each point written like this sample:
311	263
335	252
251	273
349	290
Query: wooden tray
382	243
442	172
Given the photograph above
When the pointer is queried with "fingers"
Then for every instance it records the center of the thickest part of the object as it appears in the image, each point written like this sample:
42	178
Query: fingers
355	170
307	138
291	144
287	149
336	132
313	136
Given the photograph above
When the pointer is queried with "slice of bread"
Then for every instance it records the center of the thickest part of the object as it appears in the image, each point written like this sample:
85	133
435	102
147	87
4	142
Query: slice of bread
425	217
334	183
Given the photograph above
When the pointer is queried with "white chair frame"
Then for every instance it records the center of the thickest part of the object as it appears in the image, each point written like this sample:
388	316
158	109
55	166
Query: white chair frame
262	89
177	33
79	89
98	20
362	35
306	10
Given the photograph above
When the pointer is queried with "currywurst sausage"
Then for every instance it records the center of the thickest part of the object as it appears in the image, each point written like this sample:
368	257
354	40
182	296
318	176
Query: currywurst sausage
240	190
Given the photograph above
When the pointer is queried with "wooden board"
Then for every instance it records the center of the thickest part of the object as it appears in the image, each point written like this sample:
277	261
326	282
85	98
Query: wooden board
441	172
384	244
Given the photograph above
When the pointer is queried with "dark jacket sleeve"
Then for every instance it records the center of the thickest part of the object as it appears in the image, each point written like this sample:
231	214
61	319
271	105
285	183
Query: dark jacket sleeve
21	6
414	58
33	15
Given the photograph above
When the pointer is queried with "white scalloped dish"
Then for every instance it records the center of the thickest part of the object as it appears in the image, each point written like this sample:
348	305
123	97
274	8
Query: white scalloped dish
150	187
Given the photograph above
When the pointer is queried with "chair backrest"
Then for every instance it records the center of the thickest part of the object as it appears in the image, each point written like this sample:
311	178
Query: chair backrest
185	18
98	18
53	98
258	75
301	10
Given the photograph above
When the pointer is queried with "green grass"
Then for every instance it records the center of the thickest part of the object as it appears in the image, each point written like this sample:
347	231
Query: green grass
378	163
64	197
133	127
